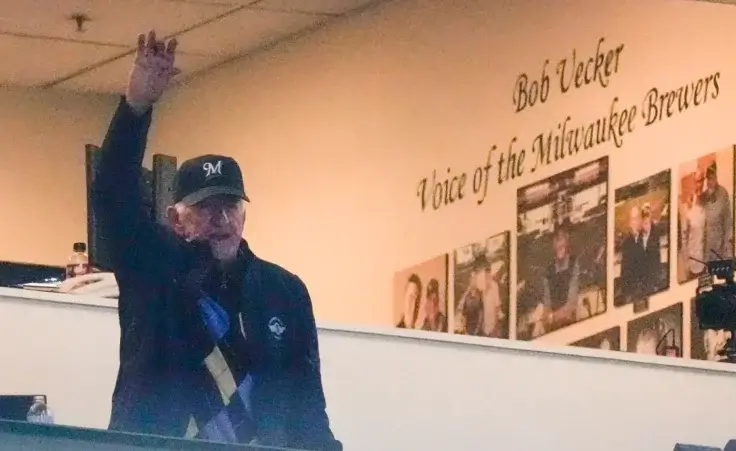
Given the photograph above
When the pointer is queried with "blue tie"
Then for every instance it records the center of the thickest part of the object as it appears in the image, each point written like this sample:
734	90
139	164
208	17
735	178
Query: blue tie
214	317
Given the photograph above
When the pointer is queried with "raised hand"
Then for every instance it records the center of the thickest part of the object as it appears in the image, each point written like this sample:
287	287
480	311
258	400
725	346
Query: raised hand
151	73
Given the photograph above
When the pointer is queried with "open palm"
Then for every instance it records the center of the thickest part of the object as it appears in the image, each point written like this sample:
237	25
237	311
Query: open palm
152	71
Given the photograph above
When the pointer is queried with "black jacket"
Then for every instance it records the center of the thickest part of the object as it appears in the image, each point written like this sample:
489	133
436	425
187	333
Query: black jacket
163	341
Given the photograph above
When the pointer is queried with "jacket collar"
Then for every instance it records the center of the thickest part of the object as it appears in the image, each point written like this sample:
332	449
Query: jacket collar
245	256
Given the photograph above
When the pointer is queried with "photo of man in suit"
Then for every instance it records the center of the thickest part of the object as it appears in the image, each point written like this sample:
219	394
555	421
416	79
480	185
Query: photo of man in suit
641	239
651	267
632	254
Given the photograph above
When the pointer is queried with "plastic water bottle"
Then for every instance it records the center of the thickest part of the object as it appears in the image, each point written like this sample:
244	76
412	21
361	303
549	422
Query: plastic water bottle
78	263
39	412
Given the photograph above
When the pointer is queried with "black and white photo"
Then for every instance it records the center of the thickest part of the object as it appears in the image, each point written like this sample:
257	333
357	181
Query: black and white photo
657	333
481	288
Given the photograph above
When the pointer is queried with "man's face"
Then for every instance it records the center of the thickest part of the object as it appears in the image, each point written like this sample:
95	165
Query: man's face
218	220
646	224
560	245
635	220
711	182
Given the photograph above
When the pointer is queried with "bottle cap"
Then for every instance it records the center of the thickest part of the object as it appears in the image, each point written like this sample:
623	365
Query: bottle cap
80	247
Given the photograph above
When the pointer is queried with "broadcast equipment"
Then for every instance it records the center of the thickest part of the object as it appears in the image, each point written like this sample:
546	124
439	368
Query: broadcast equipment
15	407
683	447
715	303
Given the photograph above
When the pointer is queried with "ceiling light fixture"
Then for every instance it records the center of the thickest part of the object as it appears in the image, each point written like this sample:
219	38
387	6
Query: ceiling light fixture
80	19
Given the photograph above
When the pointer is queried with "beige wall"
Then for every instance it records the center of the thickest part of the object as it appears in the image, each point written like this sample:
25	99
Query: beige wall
42	174
335	131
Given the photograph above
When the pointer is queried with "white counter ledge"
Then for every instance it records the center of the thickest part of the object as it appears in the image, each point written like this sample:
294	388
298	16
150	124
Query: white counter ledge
58	298
379	332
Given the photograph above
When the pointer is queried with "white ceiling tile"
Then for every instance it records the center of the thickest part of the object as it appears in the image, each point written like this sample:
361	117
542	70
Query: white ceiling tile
315	6
244	31
30	62
112	77
113	21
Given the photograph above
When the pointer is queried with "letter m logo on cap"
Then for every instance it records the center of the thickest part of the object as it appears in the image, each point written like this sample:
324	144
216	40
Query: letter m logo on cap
211	169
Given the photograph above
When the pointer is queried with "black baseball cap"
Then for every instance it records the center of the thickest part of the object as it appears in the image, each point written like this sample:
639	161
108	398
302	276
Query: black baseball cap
209	175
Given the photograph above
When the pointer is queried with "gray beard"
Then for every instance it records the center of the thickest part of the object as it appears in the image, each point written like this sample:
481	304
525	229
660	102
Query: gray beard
224	252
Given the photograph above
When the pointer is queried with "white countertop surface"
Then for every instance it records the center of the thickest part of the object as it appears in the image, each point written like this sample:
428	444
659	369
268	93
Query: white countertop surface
60	298
428	337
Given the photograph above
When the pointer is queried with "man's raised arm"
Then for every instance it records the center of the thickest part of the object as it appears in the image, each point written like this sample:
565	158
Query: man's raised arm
116	190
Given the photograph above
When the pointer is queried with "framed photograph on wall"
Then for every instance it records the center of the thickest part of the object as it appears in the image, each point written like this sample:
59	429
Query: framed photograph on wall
706	344
658	333
705	212
481	287
641	230
608	340
420	296
561	249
